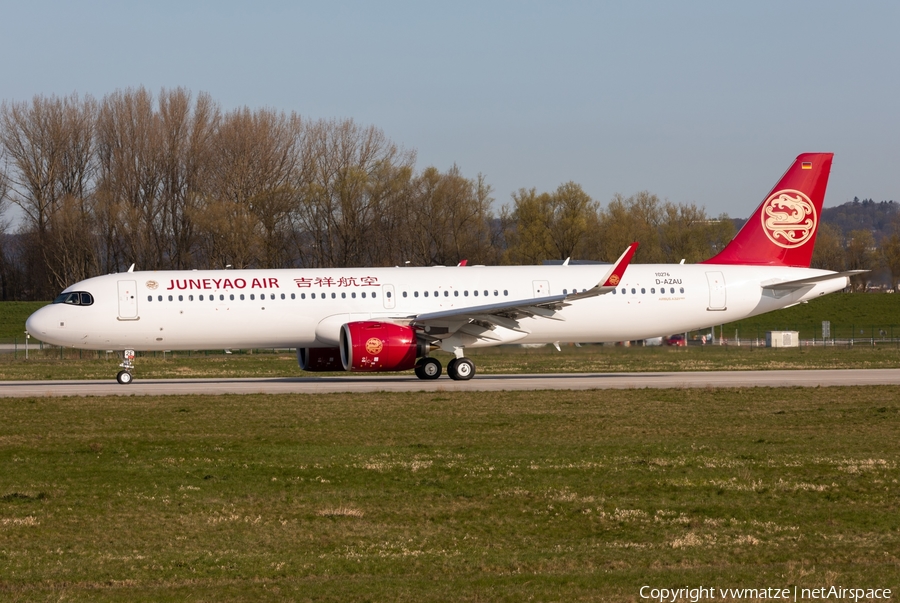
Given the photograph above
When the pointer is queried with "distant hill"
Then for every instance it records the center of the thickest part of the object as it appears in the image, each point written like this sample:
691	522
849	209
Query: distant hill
864	214
867	214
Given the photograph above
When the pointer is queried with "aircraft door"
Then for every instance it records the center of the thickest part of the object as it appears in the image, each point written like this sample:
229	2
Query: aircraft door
387	291
541	288
716	282
128	300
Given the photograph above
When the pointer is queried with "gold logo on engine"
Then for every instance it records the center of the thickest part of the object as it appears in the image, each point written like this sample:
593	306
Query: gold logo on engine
374	346
152	284
789	218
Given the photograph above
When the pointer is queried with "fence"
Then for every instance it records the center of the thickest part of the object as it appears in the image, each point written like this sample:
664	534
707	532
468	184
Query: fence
808	335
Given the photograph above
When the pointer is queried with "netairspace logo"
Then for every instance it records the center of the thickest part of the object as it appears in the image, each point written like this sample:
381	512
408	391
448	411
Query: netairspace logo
709	593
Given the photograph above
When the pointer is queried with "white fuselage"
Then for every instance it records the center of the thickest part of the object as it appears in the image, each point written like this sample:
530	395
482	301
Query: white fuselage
191	310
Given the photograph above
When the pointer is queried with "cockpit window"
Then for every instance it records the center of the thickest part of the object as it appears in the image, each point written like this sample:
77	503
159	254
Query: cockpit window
75	298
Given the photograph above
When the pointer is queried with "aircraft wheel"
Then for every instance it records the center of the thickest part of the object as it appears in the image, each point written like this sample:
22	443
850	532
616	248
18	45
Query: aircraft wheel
124	377
428	368
461	369
451	368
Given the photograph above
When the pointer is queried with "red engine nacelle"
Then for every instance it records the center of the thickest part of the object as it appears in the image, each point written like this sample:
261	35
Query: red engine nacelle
379	346
319	359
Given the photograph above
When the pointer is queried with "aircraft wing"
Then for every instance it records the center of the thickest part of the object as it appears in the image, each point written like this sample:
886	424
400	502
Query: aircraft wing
804	282
506	313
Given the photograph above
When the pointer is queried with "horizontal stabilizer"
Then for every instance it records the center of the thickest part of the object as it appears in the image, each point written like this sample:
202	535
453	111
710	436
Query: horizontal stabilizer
804	282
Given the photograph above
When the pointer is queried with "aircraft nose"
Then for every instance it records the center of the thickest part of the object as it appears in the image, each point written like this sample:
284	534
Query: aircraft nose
39	323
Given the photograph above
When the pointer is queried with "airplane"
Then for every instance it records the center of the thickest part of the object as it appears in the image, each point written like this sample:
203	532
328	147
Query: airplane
391	319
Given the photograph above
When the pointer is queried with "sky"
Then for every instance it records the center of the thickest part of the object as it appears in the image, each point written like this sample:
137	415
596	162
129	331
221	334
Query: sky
696	102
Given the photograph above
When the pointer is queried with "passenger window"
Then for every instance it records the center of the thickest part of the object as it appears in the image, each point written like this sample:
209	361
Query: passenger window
343	295
242	296
415	293
374	296
505	293
623	291
404	293
201	298
565	291
465	294
456	294
652	290
475	293
282	296
682	289
180	298
190	298
435	293
613	291
633	291
231	297
353	295
149	298
363	295
446	294
170	298
312	296
496	293
160	298
221	297
425	293
643	291
334	296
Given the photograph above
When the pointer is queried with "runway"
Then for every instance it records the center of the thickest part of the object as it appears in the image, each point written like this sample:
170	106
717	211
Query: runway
481	383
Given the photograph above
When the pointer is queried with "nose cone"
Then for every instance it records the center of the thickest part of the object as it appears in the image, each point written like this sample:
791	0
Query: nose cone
40	323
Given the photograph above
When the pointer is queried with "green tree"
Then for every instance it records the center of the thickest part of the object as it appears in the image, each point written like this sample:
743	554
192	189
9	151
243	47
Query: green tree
829	253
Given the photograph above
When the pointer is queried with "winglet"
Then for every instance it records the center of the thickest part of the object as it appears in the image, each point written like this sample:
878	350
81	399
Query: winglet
618	269
612	278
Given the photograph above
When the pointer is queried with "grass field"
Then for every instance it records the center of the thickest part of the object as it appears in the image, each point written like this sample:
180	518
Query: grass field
503	360
545	496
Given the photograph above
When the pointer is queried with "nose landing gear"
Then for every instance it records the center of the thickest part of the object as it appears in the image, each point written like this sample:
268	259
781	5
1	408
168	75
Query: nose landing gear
125	377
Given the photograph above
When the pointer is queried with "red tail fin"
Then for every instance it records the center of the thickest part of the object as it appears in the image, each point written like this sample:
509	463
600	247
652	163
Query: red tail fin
782	231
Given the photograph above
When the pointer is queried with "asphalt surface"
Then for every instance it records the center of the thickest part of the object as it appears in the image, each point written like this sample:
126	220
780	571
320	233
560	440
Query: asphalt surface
485	383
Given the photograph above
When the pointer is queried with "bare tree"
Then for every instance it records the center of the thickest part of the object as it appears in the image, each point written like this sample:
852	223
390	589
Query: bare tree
447	218
130	180
348	181
49	144
188	145
256	154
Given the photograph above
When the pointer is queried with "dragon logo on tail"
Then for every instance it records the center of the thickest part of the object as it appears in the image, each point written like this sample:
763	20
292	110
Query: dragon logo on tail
789	218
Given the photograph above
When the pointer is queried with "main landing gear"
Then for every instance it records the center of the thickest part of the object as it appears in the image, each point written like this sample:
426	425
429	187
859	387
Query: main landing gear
461	369
458	369
428	368
125	377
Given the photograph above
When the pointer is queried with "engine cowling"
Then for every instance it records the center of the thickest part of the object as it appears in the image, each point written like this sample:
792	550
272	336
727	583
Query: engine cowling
373	346
320	359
